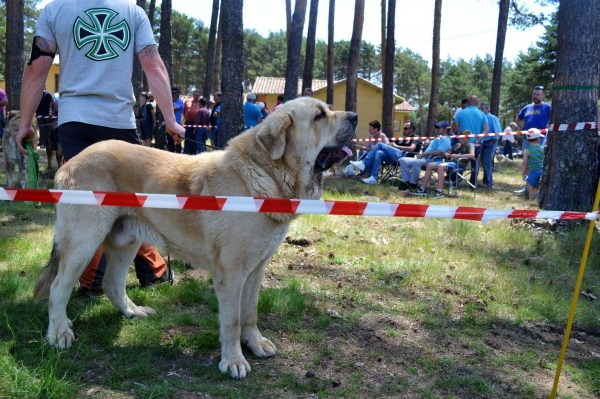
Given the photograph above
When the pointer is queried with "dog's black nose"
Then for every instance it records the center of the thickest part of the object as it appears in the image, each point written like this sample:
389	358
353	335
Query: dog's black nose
352	117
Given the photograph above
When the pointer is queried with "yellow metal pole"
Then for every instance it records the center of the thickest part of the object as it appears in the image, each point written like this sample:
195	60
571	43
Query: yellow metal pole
586	250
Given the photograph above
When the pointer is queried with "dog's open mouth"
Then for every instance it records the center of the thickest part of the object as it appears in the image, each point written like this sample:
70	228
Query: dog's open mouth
330	156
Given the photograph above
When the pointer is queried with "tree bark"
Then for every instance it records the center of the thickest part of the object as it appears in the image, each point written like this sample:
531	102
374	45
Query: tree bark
232	120
216	83
435	69
165	48
210	57
570	173
383	44
293	53
288	20
354	55
15	61
309	59
500	40
387	117
330	52
137	74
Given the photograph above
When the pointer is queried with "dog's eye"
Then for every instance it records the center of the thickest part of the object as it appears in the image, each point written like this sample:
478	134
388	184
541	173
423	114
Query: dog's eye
319	116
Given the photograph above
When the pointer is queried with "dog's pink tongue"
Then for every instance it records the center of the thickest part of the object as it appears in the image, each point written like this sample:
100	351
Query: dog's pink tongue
347	151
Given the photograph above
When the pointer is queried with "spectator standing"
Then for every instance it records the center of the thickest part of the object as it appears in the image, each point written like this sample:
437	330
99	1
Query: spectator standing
43	115
307	92
190	109
471	119
509	139
252	114
3	103
178	110
147	120
411	167
202	120
535	115
463	105
263	110
279	103
215	118
95	108
533	159
488	145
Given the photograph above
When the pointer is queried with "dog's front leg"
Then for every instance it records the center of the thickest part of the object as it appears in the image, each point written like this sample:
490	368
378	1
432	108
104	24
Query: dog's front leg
260	346
228	287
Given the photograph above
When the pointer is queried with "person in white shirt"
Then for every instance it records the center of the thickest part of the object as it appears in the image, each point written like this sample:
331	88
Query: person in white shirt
509	139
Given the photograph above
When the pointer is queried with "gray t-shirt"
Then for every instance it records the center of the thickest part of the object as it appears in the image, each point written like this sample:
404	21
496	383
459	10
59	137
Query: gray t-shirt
97	40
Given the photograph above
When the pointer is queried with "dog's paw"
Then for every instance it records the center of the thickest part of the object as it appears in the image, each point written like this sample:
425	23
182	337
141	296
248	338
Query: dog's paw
237	367
262	348
140	312
63	339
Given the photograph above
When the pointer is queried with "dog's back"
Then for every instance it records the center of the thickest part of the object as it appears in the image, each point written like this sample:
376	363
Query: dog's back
12	156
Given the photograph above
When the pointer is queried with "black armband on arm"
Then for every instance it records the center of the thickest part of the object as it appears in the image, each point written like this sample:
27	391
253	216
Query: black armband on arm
37	52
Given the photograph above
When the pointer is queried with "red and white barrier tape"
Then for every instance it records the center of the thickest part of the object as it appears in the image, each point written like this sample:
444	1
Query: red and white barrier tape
552	128
279	205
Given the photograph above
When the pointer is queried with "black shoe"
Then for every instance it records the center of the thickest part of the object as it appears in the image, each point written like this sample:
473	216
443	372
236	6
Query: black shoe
161	280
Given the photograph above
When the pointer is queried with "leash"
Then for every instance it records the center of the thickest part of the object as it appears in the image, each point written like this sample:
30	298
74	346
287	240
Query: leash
197	142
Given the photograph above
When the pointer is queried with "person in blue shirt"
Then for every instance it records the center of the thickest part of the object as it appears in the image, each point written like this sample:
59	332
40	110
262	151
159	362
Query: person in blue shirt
411	167
488	145
252	114
535	115
471	119
178	109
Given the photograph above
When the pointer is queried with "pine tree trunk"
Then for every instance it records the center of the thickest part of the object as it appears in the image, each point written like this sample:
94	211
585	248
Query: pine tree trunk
136	76
570	172
330	52
387	118
383	44
354	55
288	20
309	59
232	119
210	57
293	53
15	61
165	48
435	69
500	39
216	82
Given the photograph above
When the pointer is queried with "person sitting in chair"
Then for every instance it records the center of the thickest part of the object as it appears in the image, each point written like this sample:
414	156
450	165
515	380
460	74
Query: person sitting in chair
389	153
375	133
464	149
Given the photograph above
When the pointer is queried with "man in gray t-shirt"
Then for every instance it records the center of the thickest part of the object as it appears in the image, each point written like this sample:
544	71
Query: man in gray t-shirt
98	40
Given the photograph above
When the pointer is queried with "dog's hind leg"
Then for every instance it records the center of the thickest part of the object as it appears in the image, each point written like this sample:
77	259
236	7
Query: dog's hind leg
118	260
253	339
9	167
23	172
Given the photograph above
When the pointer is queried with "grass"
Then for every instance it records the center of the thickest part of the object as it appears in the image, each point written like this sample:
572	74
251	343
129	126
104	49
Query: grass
430	308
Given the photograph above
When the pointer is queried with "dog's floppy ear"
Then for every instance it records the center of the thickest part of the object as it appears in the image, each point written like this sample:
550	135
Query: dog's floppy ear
272	134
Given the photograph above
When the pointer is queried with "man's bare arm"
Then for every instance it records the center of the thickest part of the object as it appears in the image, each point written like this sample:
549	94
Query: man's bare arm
158	80
32	88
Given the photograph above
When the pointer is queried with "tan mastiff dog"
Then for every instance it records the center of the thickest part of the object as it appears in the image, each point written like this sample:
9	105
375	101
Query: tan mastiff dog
283	157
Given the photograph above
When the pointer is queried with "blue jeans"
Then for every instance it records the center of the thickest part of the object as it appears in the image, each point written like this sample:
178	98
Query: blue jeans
508	149
488	150
1	128
201	136
189	145
381	153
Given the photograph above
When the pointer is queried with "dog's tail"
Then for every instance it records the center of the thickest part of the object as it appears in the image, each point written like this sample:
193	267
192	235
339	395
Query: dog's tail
42	287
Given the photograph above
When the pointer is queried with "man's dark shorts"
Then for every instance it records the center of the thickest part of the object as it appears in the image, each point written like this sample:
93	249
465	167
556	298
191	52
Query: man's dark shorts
146	132
76	136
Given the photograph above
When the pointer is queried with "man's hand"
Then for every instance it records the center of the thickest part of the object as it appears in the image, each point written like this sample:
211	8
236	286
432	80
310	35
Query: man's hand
24	133
176	131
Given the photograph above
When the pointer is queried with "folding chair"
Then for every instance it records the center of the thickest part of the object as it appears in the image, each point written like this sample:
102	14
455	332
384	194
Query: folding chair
467	170
391	171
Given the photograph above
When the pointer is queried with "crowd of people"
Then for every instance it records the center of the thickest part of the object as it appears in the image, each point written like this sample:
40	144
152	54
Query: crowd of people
472	118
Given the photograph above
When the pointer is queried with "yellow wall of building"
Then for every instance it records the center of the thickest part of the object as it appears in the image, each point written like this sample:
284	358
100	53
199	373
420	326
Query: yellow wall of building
368	106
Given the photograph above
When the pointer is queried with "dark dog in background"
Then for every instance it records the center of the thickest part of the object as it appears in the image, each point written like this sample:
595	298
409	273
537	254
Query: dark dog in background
12	156
54	145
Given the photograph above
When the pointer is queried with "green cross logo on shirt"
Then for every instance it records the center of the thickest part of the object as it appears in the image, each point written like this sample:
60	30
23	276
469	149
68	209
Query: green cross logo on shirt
101	34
